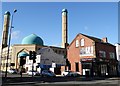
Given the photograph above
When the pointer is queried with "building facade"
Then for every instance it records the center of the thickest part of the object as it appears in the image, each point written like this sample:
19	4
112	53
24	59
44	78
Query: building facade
92	56
46	59
29	43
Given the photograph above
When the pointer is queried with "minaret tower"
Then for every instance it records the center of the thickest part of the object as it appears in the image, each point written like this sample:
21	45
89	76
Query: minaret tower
5	29
64	28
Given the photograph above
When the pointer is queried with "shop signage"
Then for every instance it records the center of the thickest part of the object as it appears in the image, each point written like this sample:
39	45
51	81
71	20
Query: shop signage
53	65
86	59
86	51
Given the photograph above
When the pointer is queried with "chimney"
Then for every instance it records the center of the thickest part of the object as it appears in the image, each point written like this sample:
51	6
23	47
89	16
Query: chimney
64	28
105	40
5	29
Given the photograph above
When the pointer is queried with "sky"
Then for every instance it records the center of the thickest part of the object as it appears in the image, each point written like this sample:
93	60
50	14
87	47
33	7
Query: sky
97	19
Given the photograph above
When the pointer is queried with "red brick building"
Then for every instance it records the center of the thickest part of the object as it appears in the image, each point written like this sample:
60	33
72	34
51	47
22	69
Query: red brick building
92	56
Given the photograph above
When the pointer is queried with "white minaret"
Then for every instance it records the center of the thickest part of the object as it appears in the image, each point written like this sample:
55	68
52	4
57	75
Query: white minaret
5	29
64	28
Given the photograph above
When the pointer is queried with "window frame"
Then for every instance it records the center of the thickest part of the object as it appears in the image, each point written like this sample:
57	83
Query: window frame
82	42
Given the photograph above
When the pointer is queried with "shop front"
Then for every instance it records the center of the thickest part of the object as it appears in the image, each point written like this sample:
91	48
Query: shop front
87	68
98	67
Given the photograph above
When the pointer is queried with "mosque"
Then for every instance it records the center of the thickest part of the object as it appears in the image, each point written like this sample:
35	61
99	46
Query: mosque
31	42
86	55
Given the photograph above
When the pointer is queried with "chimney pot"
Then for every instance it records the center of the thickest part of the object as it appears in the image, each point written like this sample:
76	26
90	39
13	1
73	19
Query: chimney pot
105	40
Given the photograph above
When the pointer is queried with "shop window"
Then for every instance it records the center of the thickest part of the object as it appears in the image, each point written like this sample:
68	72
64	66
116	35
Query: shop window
86	66
82	42
102	54
112	55
103	69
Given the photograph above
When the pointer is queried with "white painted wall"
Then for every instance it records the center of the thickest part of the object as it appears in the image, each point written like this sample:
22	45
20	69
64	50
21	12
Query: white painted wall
118	55
45	56
48	56
118	51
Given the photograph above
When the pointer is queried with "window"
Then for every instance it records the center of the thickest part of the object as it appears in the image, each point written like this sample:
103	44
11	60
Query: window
82	42
59	51
69	67
103	69
39	48
77	43
119	57
55	51
77	67
112	55
102	54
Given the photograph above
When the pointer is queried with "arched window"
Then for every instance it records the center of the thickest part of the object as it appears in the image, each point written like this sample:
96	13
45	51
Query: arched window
82	42
77	43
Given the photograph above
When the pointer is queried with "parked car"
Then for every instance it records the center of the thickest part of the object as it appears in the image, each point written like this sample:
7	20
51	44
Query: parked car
47	73
12	71
73	74
64	73
35	73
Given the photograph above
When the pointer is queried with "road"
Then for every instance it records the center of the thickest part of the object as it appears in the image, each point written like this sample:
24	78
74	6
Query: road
16	80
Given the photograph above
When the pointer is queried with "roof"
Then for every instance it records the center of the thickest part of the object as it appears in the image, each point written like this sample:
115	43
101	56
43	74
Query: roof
32	39
93	38
97	40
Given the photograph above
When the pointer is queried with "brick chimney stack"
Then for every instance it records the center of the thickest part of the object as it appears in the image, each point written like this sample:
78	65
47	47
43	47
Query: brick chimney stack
105	40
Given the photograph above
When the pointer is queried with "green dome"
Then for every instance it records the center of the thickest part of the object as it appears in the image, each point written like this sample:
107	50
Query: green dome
32	39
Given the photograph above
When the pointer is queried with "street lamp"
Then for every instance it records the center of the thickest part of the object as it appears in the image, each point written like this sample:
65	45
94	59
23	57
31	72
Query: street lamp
9	40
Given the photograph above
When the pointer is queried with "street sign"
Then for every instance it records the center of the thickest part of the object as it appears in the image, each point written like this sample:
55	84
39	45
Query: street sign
53	65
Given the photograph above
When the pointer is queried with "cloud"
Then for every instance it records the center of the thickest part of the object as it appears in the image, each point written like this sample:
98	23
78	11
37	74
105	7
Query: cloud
15	34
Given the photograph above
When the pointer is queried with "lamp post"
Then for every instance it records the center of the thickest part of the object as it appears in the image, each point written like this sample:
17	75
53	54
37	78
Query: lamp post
9	41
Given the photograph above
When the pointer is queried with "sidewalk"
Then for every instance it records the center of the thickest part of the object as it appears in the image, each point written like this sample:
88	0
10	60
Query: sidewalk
114	78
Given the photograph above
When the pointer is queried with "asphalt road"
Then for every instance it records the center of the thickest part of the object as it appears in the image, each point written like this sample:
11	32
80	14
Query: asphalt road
16	80
69	83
